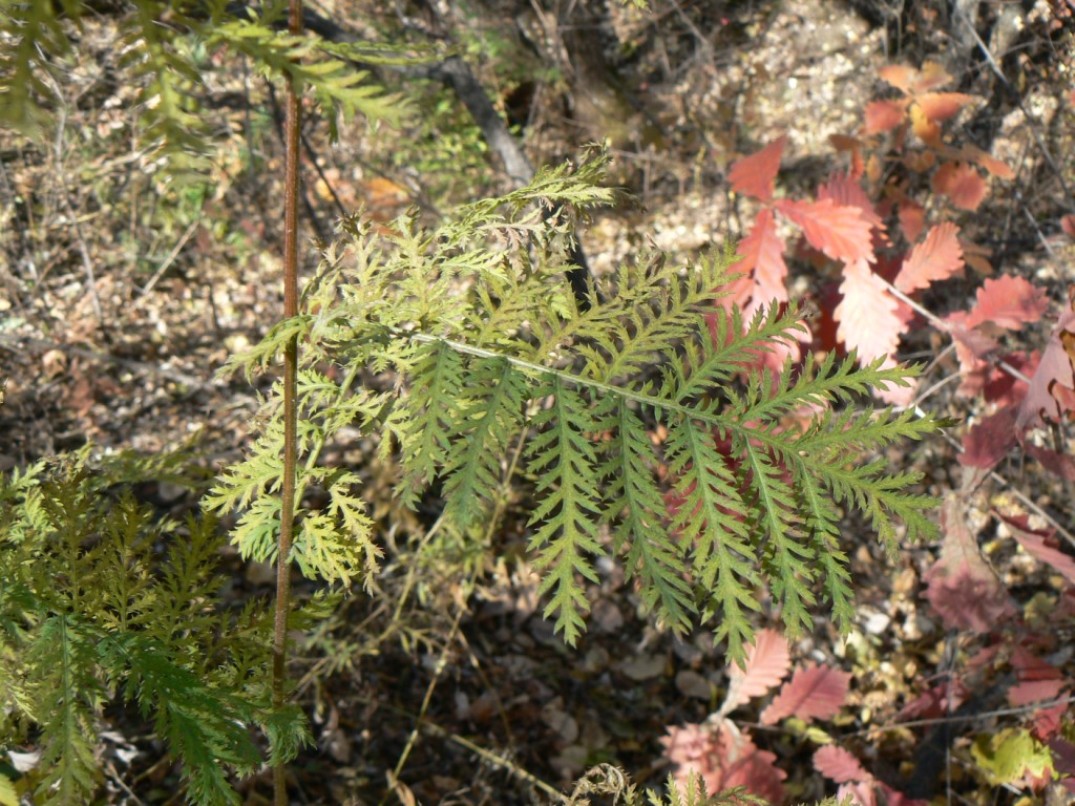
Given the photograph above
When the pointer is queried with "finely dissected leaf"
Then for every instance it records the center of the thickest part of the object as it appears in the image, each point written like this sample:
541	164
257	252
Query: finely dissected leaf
491	414
755	175
938	257
814	692
767	662
868	319
840	765
1054	369
652	555
961	183
712	515
437	376
568	508
841	232
962	588
1007	301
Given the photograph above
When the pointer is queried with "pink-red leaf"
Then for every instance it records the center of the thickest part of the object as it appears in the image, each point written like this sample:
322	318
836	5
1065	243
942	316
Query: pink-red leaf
1053	370
840	765
814	692
767	662
1042	545
938	257
725	757
1008	302
962	588
839	231
883	116
762	260
1059	464
756	175
848	192
912	219
989	440
961	183
1037	678
868	317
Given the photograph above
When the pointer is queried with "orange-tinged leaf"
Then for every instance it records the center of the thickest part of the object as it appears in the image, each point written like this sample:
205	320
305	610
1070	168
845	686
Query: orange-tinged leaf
839	765
868	317
839	231
995	167
925	129
767	662
900	76
938	257
1007	302
814	692
930	77
912	219
961	183
938	106
884	116
755	175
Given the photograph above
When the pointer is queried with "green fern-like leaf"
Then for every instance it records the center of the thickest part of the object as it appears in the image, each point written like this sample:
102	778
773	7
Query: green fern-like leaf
566	516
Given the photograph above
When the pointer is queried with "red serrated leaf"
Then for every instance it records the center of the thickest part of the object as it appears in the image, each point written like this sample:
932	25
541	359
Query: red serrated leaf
938	257
840	765
939	106
1042	545
883	116
961	183
725	757
962	588
1047	721
847	192
989	440
1054	369
755	175
936	702
762	260
1008	302
814	692
767	662
1037	678
840	231
868	315
912	219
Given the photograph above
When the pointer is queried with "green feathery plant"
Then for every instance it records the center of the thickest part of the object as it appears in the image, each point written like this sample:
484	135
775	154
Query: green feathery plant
478	365
92	610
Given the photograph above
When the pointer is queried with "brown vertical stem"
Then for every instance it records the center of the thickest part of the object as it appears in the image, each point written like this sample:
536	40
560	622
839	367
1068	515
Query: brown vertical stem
291	353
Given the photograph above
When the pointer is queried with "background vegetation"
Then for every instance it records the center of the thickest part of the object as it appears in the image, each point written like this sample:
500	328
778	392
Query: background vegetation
140	194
